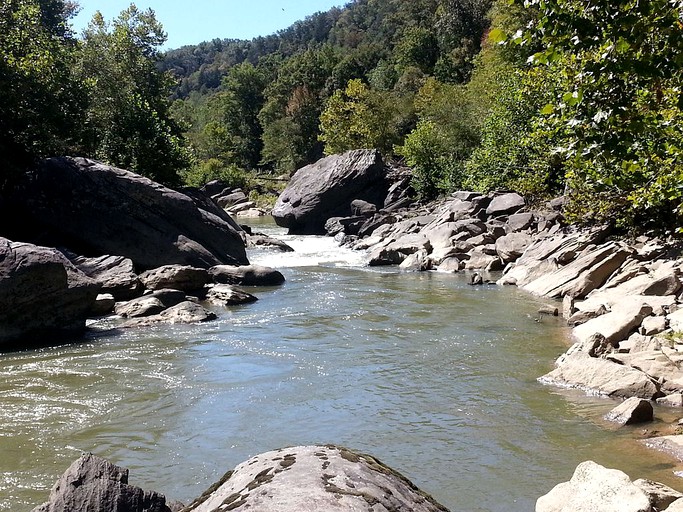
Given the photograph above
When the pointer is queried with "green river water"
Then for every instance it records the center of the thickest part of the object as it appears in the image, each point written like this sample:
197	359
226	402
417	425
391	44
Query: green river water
432	376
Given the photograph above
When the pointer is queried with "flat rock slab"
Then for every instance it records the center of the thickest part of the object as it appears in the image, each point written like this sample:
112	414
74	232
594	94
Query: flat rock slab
314	478
601	376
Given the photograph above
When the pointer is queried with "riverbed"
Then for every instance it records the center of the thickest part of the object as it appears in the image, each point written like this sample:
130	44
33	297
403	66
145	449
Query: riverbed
432	376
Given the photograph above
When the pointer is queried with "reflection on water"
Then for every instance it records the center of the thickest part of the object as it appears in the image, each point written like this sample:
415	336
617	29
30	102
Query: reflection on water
434	377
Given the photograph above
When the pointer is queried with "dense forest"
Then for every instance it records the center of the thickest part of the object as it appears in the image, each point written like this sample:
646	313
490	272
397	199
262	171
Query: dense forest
546	97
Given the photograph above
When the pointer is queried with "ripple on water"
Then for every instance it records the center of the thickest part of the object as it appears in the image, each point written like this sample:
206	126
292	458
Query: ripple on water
434	377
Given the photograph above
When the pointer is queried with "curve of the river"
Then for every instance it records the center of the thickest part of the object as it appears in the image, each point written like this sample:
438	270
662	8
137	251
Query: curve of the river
432	376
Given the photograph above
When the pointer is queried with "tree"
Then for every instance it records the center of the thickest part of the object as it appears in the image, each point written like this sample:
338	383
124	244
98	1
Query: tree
128	120
357	117
619	113
41	99
237	107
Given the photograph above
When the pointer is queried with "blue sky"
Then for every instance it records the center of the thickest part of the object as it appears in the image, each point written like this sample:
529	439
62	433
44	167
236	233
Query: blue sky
194	21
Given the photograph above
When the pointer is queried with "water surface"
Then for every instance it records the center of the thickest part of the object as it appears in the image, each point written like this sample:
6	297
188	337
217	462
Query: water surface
432	376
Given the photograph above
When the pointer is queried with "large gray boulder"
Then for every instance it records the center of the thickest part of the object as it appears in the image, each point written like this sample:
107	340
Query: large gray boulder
594	488
95	209
41	292
92	484
326	189
312	479
246	275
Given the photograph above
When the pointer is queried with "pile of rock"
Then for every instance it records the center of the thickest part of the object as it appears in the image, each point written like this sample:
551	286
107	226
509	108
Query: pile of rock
302	478
233	200
153	252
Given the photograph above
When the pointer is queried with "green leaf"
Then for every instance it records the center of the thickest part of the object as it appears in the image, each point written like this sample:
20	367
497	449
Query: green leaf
497	36
548	109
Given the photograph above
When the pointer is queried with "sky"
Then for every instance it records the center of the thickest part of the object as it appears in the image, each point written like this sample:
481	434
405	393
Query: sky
193	21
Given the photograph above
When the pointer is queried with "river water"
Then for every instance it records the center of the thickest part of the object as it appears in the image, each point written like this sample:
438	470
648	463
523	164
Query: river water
432	376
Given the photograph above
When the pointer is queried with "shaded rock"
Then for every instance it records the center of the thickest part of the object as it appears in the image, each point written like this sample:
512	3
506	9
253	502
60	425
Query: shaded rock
520	221
115	274
177	277
226	295
663	285
241	207
186	312
142	306
41	292
94	484
246	275
631	411
168	296
511	247
215	187
228	200
333	226
314	478
113	211
473	227
371	224
104	304
261	240
505	204
360	208
660	495
594	488
326	188
602	376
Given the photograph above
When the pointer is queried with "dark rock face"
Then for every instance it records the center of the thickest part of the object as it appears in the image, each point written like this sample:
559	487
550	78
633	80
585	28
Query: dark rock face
94	484
247	275
326	189
95	209
115	274
41	292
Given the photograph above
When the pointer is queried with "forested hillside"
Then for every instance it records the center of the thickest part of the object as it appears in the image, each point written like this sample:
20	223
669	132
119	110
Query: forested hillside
547	97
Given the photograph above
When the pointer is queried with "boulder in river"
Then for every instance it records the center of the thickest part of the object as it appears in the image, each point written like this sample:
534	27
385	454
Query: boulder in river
314	478
326	189
631	411
41	292
94	484
246	275
594	488
113	211
177	277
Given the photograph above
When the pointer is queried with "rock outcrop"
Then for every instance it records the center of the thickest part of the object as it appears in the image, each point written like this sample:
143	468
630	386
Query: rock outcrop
95	209
326	189
94	484
311	479
41	293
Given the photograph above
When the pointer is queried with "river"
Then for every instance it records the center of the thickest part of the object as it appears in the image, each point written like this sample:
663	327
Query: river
432	376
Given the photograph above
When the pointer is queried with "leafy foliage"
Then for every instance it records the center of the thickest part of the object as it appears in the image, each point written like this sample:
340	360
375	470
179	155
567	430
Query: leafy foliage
128	120
41	99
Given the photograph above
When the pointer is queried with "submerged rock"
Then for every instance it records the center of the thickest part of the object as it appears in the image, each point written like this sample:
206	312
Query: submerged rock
311	479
